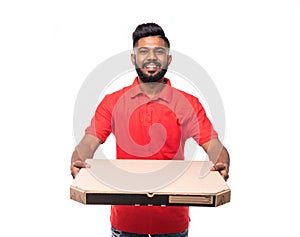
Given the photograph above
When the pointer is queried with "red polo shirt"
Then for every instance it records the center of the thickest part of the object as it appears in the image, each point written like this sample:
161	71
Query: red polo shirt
155	128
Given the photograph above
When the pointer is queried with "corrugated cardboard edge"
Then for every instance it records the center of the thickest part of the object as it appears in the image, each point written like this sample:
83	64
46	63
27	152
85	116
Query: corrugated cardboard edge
77	194
223	197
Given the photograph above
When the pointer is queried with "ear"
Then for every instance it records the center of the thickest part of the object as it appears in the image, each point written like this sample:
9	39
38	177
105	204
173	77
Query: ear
133	59
169	59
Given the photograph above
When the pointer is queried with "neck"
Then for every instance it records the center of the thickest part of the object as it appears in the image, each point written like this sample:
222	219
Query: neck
151	89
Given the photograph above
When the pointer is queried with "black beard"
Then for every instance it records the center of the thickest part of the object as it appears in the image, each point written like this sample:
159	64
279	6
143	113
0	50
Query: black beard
148	79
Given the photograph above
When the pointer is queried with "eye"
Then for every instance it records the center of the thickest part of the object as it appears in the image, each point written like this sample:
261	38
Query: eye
143	51
160	51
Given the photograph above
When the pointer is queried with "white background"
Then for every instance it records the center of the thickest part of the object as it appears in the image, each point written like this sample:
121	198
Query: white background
250	49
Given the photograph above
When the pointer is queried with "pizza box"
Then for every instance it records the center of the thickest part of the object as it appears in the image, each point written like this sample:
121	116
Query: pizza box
149	182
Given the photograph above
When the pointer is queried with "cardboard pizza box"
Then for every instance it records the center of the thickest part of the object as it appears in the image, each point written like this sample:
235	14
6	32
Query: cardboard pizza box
150	182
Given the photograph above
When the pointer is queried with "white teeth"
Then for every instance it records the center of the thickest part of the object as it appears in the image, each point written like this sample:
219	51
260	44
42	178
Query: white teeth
151	65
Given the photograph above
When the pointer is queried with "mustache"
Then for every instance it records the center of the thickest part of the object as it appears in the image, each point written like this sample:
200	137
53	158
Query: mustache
157	64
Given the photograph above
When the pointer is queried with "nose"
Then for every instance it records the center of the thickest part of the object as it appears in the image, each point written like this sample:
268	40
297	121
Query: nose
152	54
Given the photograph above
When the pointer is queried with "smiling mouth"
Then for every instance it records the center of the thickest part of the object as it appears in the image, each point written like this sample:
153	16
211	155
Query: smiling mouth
152	67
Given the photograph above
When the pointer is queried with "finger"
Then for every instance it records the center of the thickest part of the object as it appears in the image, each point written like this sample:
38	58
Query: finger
219	167
80	164
224	174
76	166
222	168
74	172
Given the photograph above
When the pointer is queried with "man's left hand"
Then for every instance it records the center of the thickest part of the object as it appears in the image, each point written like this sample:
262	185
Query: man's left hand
223	169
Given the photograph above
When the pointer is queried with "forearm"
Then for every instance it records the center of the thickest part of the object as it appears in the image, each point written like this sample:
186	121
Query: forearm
85	149
219	155
216	152
79	156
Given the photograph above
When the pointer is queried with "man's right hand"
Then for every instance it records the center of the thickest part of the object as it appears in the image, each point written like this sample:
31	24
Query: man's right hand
85	149
76	166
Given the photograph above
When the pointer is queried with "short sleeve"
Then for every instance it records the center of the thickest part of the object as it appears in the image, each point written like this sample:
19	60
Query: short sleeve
200	128
100	125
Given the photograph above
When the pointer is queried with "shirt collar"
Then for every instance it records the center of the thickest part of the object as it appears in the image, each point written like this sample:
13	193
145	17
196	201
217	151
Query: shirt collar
165	94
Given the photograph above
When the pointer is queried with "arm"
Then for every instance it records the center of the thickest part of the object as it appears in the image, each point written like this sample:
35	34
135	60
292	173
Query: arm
85	149
218	154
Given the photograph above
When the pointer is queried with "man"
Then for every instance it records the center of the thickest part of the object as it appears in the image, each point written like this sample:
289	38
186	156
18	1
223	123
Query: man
150	120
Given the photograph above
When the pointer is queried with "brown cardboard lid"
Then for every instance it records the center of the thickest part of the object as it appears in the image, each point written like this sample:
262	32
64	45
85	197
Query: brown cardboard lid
150	176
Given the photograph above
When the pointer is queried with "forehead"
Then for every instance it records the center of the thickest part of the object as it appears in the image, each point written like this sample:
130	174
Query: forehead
151	41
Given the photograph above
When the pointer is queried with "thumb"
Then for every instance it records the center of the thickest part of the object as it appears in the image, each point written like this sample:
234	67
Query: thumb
218	167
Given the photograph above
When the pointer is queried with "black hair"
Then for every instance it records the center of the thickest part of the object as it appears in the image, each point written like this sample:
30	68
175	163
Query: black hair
148	29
